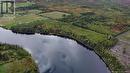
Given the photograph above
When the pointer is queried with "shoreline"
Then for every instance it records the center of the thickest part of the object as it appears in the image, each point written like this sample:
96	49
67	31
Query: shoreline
16	63
68	37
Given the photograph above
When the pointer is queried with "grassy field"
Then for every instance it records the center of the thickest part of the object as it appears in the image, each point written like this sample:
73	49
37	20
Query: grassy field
103	29
54	15
125	36
26	18
24	4
19	19
6	20
69	9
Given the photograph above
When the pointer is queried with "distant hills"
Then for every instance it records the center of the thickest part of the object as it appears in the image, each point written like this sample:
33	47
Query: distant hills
90	2
124	2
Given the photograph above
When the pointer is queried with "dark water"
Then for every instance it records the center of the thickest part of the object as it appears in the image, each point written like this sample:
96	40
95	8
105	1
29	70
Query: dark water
55	54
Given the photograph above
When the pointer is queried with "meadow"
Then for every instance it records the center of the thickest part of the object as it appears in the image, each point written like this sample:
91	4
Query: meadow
127	36
54	15
23	4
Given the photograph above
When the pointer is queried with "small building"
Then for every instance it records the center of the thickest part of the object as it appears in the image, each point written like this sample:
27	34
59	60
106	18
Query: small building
7	6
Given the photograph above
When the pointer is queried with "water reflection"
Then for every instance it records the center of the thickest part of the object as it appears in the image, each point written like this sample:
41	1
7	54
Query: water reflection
55	54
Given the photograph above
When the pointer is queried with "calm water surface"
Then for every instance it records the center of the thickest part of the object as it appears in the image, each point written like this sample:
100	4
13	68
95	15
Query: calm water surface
55	54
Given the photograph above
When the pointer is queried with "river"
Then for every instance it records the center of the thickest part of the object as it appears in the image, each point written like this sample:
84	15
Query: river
54	54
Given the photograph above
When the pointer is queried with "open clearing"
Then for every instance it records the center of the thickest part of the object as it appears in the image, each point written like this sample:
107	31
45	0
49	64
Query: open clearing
125	36
6	20
24	4
18	19
69	9
54	15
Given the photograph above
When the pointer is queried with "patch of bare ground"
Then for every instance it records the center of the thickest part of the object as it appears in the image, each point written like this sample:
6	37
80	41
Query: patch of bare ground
122	51
5	20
